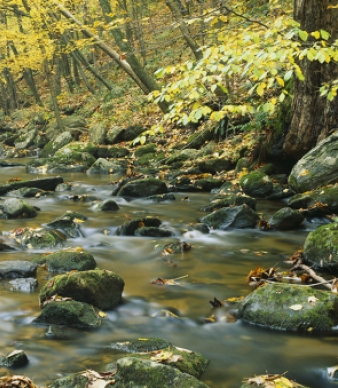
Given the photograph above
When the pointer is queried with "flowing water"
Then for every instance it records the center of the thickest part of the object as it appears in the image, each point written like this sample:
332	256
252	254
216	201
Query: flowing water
216	266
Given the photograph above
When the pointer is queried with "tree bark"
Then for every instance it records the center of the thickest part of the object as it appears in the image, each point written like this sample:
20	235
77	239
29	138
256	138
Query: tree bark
313	117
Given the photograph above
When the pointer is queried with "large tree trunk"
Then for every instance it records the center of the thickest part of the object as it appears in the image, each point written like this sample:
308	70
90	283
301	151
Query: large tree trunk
313	117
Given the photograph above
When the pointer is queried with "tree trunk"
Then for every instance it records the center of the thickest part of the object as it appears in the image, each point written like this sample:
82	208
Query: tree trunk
313	117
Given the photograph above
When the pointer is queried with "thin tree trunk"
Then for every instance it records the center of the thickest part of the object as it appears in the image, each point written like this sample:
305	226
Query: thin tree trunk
313	117
11	90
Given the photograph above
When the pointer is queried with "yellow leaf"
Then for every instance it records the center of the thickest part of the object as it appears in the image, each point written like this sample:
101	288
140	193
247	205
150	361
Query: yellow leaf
280	81
316	34
102	314
304	172
296	307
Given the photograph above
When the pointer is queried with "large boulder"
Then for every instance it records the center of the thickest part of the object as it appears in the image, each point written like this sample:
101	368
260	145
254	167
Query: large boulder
68	223
39	237
98	133
142	188
69	259
286	219
101	288
109	151
70	313
104	166
17	269
17	208
321	246
130	227
26	140
230	200
42	183
290	307
55	144
317	168
256	185
232	217
118	134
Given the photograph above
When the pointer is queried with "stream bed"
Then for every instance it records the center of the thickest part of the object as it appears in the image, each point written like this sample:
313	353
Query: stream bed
217	266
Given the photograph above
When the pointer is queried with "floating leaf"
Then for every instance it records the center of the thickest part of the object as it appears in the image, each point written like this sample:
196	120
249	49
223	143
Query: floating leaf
170	282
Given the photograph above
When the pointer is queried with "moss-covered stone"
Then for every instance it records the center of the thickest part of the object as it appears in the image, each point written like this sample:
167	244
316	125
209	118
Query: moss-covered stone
232	217
214	165
68	223
16	358
55	144
146	158
286	219
107	205
321	246
269	381
70	259
78	146
230	200
17	208
25	192
70	313
256	185
290	307
101	288
141	345
145	149
142	188
129	227
104	166
152	231
41	238
112	152
42	183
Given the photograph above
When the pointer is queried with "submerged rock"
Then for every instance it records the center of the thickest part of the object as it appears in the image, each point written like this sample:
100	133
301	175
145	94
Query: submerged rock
316	168
101	288
70	259
232	217
321	246
17	269
290	307
17	208
286	219
70	313
153	231
106	206
24	285
142	188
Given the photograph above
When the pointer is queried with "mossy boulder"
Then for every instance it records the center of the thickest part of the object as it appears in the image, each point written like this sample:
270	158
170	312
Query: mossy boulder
24	192
286	219
232	217
104	166
317	168
101	288
26	140
178	159
17	269
40	238
243	164
107	205
129	227
114	152
230	200
162	197
98	133
290	307
214	165
145	149
256	185
142	188
154	349
119	134
42	183
199	138
153	231
55	144
79	163
70	259
17	208
70	313
77	146
68	223
321	246
17	358
270	381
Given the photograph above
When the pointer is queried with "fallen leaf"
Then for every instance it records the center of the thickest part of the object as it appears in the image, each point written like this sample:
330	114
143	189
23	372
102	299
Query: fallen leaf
332	370
296	307
312	299
102	314
170	282
304	172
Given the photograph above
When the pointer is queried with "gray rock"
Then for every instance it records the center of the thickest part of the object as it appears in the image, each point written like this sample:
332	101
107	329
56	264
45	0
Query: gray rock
141	346
286	219
108	152
106	206
230	200
181	157
290	307
317	168
232	217
129	227
26	140
24	192
104	166
24	285
70	313
15	208
42	183
101	288
17	269
69	259
98	133
256	185
215	165
16	358
55	144
118	134
321	246
142	188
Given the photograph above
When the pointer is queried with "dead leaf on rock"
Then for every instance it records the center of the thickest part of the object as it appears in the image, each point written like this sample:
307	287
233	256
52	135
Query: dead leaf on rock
312	299
296	307
12	381
332	371
170	282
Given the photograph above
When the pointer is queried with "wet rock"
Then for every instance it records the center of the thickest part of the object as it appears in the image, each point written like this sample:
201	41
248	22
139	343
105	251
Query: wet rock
145	149
70	313
114	152
69	259
230	200
153	231
286	219
199	226
142	188
316	203
232	217
104	166
208	184
321	246
17	269
24	141
182	156
141	346
118	134
215	165
106	206
39	237
101	288
24	192
290	307
134	372
243	164
78	163
162	197
98	133
280	191
198	139
55	144
129	227
316	168
43	184
265	381
4	163
256	185
17	208
64	187
16	358
24	285
68	223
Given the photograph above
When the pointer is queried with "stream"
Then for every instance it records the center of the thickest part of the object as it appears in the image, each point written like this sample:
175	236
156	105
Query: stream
217	266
